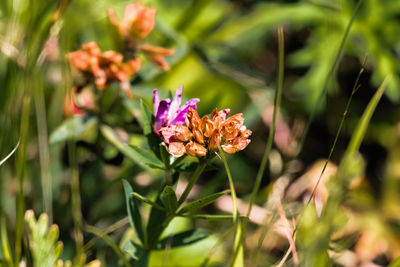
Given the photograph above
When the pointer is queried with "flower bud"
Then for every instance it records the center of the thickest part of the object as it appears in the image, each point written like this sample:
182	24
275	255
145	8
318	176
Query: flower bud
168	133
176	149
182	133
231	127
195	149
207	126
193	119
215	140
198	135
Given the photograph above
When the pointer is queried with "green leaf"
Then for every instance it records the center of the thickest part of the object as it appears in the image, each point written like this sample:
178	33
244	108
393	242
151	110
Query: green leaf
73	128
155	224
45	248
147	157
133	211
362	126
165	156
202	202
138	155
395	263
146	118
169	200
238	259
134	250
146	200
99	233
182	239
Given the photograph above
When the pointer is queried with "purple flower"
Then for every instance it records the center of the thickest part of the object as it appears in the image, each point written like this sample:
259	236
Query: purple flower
169	113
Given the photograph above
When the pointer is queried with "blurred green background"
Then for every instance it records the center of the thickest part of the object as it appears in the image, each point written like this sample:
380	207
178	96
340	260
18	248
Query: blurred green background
226	55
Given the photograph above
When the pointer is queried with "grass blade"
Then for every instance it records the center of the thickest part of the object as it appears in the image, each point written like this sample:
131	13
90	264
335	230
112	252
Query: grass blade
10	154
325	88
109	241
202	202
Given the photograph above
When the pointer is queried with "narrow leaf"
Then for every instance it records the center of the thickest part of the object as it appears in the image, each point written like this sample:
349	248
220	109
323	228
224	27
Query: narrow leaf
362	126
146	200
155	224
146	118
168	198
73	128
202	202
147	157
109	241
134	250
10	154
183	239
133	211
127	150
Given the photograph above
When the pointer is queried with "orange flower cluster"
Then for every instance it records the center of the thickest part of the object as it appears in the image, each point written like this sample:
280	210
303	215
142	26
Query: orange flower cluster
137	23
202	136
103	67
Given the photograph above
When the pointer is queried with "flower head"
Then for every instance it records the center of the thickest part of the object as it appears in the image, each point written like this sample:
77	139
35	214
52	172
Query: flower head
169	115
137	23
103	67
202	136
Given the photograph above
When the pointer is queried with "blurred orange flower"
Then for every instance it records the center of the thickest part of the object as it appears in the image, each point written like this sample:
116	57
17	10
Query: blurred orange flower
103	67
203	136
137	23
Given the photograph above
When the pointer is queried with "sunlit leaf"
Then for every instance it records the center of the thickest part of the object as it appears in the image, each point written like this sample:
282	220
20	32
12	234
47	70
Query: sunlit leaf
168	198
183	239
202	202
132	207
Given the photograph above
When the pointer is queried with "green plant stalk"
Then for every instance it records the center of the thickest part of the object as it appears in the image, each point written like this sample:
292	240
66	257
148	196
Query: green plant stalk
231	186
44	155
238	236
109	241
325	88
277	103
200	168
168	176
264	161
4	242
355	88
76	200
110	229
195	176
21	168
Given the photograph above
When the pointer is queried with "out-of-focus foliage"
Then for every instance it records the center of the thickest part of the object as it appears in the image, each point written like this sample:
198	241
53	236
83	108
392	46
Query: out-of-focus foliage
226	55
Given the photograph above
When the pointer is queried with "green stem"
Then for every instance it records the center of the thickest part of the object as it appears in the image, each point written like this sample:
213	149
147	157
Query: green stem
168	177
76	200
193	180
4	242
109	241
44	154
231	185
264	161
195	176
277	102
21	169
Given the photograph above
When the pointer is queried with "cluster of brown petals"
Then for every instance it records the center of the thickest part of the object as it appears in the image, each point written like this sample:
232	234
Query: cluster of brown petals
137	23
103	67
204	135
